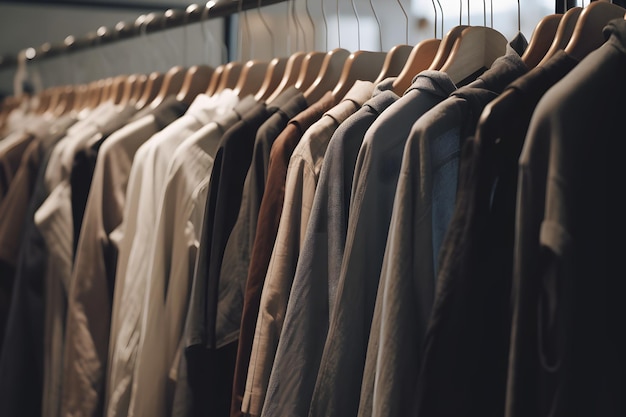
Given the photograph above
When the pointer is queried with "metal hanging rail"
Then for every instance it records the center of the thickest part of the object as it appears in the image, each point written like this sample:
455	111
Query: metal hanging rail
151	23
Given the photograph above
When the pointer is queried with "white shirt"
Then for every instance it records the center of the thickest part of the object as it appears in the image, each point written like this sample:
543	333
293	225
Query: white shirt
173	258
144	194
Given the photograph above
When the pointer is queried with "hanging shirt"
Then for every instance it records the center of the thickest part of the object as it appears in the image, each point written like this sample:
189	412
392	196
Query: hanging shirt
21	361
210	362
54	219
239	247
567	347
314	287
477	258
10	157
91	272
13	209
423	205
172	259
143	195
337	387
267	227
304	168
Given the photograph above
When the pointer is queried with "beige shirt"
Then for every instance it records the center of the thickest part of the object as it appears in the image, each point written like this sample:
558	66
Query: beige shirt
302	175
172	261
144	194
54	220
89	301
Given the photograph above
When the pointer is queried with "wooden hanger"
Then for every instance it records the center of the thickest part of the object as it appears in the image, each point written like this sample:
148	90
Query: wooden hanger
196	81
172	83
422	55
107	90
215	79
290	76
543	36
310	70
587	35
251	78
360	65
445	47
119	85
476	48
330	73
56	94
127	90
150	90
44	100
67	102
230	76
138	88
273	77
395	61
563	33
93	94
82	96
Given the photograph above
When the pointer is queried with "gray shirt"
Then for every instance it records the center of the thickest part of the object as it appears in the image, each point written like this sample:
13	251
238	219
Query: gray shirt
423	206
304	169
317	273
375	178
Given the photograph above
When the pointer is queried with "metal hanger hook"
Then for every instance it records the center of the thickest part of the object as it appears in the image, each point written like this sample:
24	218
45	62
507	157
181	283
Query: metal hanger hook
441	10
358	26
338	26
267	27
406	21
298	25
325	23
308	13
380	32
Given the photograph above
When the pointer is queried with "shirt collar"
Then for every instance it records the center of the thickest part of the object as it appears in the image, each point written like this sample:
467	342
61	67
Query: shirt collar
434	82
282	99
503	71
354	99
205	108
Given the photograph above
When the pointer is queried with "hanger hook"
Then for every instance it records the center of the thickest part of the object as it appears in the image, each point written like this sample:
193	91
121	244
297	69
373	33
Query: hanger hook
435	9
406	22
248	34
380	32
325	24
519	14
188	11
206	33
288	20
338	26
358	26
441	10
308	13
460	11
298	26
267	27
485	13
468	12
246	27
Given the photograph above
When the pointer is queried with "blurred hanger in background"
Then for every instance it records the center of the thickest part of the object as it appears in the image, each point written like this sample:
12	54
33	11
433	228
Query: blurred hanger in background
422	55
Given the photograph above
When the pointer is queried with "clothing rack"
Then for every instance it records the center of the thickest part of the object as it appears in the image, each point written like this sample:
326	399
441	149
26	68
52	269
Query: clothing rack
143	25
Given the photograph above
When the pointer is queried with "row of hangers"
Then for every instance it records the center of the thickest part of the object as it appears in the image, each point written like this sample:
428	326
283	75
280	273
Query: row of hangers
461	52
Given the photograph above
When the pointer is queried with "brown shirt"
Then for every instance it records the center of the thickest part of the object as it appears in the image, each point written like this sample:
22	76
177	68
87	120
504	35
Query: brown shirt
267	228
